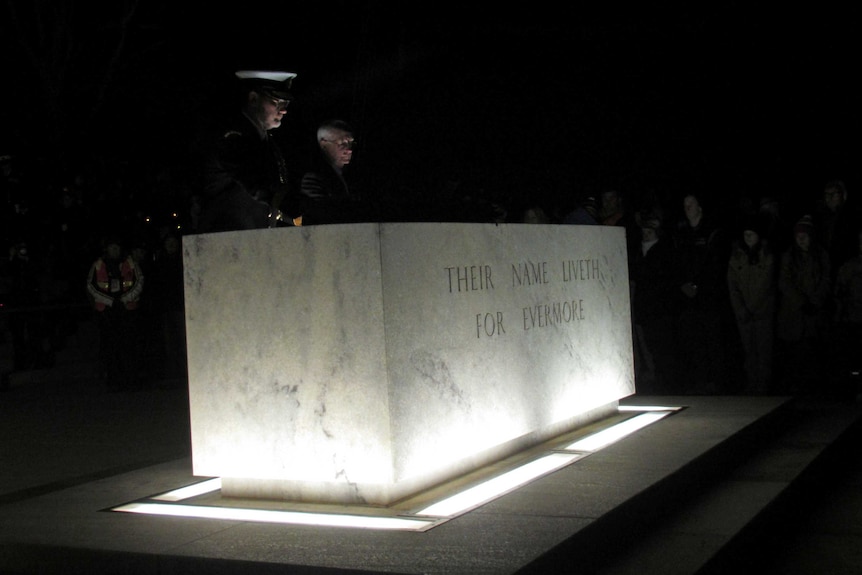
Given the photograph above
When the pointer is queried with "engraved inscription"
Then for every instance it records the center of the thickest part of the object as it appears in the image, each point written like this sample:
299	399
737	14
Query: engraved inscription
469	278
556	313
529	273
489	324
587	269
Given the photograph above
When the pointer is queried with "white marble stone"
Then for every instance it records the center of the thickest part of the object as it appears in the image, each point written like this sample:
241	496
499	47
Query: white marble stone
364	362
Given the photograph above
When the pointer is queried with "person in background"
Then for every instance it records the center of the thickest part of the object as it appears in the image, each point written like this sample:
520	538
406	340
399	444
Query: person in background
245	184
837	219
584	213
653	295
751	281
848	322
615	211
702	256
613	208
326	197
803	309
535	214
115	283
145	320
23	291
165	286
776	230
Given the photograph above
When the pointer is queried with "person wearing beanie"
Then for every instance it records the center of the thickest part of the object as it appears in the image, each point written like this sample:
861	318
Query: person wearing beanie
751	282
805	225
838	218
653	292
805	299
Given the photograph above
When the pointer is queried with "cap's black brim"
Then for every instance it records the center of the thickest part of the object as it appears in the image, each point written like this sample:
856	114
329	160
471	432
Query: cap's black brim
281	95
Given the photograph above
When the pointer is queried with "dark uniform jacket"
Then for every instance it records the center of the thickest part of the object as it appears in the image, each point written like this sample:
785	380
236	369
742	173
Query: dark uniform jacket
242	175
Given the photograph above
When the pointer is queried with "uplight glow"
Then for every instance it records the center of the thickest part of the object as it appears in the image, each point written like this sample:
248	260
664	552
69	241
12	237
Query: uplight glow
616	432
419	521
639	408
190	491
499	485
275	516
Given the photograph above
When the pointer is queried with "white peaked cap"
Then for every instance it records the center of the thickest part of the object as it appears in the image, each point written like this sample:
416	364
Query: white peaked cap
269	75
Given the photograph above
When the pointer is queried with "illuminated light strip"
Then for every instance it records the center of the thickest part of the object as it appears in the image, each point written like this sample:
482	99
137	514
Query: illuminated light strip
628	408
458	503
190	491
614	433
274	516
499	485
515	478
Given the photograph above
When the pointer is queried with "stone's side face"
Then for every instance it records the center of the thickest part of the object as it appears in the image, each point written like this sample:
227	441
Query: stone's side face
494	332
287	368
360	363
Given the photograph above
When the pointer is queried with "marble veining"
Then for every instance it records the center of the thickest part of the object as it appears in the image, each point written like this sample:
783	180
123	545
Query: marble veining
362	362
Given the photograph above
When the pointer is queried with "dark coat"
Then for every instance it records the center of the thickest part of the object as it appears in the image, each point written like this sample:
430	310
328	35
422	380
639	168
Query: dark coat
326	198
805	294
242	174
702	255
654	282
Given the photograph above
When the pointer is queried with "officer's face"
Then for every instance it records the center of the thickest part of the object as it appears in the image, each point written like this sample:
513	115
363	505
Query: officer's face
269	110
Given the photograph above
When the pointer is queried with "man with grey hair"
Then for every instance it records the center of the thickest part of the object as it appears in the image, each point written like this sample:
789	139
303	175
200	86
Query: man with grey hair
325	195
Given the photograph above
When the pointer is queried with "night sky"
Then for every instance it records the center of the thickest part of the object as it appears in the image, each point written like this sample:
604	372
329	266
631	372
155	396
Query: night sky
509	103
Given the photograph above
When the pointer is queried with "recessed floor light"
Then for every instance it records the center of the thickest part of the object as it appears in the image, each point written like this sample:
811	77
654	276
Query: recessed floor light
176	503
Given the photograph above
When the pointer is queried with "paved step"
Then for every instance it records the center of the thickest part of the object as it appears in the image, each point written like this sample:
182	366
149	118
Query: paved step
681	496
740	520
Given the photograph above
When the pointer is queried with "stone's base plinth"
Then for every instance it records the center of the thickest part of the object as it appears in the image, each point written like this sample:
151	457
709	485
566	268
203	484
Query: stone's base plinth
380	494
363	362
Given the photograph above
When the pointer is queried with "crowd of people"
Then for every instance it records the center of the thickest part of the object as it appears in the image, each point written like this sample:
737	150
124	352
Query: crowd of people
728	295
724	301
739	297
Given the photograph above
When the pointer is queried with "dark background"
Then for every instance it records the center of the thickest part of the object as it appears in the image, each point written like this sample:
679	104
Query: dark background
537	102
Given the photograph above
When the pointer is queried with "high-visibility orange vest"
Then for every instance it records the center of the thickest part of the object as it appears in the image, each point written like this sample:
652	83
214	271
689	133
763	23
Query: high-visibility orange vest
128	278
